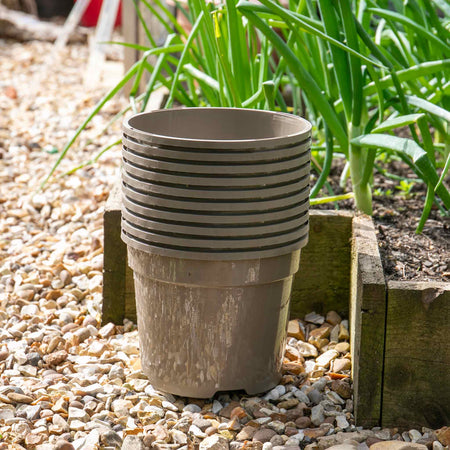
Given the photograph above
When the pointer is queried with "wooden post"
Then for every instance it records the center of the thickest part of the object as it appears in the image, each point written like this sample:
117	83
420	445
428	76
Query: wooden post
417	362
367	323
134	33
114	261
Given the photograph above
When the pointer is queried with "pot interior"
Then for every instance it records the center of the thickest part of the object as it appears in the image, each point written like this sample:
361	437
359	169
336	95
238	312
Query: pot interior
219	124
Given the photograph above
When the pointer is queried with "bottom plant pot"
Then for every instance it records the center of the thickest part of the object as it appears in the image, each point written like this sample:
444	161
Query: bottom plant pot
208	326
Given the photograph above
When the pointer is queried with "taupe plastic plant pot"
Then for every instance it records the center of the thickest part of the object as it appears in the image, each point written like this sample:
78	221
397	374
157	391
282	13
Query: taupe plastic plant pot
217	169
221	129
221	243
218	205
214	181
208	327
215	213
217	193
219	155
217	231
217	218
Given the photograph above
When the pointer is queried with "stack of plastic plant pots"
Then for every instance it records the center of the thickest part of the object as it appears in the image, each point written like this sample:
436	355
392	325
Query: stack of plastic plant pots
215	212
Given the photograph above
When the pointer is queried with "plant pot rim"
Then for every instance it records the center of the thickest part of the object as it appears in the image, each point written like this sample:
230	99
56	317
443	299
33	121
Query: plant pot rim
198	167
217	193
215	255
248	206
300	129
243	182
148	150
199	229
240	219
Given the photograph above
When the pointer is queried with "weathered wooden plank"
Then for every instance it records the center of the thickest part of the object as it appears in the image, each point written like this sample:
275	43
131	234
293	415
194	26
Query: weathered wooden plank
367	322
417	360
25	27
323	280
130	32
134	33
114	261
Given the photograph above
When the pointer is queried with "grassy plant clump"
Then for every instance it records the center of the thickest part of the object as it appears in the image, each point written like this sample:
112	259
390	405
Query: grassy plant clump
357	70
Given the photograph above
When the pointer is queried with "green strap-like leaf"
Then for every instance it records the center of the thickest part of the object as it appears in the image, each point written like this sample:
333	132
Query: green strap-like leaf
387	14
394	143
306	81
397	122
351	37
339	57
426	209
411	73
183	56
429	107
334	198
444	173
412	150
199	75
326	164
292	18
156	71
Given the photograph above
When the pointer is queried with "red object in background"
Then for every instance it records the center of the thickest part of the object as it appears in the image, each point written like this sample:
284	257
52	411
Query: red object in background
90	16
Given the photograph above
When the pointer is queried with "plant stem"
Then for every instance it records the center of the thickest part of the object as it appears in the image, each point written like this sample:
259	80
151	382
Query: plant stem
357	160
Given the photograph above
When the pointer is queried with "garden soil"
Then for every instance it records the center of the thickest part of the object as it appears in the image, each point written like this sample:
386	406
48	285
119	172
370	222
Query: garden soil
405	254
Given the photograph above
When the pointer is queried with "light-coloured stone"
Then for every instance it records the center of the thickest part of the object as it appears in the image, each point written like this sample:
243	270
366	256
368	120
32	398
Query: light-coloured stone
295	330
178	437
264	435
314	318
334	334
96	348
333	318
414	435
19	398
342	347
346	446
341	364
192	407
78	414
342	422
215	442
397	445
325	358
77	425
107	330
344	335
317	414
246	433
133	443
195	431
307	350
56	358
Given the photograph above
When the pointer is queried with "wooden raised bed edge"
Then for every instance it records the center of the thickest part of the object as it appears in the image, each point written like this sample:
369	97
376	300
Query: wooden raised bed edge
400	342
399	331
367	322
416	387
